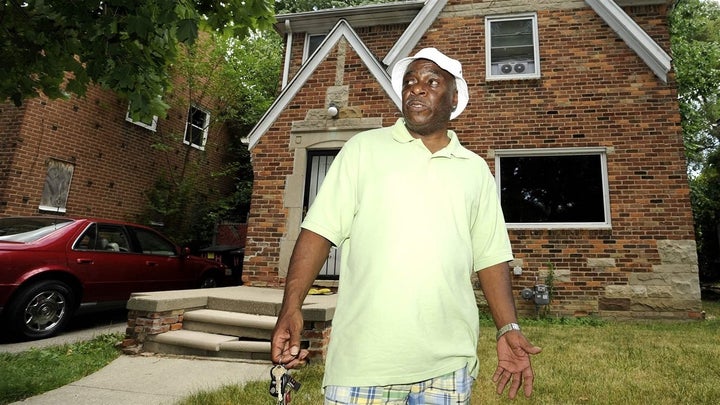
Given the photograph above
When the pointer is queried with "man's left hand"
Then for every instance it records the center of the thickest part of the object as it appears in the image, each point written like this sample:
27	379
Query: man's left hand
514	367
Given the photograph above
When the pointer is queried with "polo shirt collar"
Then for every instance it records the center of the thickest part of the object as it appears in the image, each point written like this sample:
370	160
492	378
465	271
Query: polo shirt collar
453	149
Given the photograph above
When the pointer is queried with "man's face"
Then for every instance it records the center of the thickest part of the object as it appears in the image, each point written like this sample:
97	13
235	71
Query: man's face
428	97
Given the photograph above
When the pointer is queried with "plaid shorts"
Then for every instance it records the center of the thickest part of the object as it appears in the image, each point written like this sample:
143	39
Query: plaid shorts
449	389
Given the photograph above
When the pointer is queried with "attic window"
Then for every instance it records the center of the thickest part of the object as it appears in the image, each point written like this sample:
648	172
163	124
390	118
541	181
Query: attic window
512	50
196	129
312	43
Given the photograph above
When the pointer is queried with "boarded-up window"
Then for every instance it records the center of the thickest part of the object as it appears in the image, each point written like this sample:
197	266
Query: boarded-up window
57	186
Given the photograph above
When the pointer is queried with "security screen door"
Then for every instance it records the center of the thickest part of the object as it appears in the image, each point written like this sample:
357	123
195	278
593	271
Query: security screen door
319	162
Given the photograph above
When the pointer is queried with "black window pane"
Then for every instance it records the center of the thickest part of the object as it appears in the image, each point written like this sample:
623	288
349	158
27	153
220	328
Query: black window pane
314	42
511	40
151	243
196	135
538	189
197	117
195	127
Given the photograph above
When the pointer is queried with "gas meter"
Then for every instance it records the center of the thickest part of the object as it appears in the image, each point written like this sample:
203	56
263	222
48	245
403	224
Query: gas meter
539	294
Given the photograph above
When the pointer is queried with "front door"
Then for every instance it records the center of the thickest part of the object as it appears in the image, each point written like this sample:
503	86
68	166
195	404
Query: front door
319	162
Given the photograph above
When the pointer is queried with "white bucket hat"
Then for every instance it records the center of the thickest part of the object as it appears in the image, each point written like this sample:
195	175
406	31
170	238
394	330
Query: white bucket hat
450	65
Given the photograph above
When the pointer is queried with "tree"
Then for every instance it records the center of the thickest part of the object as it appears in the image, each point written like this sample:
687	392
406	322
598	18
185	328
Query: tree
236	81
695	41
705	195
58	48
298	6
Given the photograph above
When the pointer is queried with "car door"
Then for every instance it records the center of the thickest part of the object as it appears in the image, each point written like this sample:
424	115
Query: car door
163	267
103	256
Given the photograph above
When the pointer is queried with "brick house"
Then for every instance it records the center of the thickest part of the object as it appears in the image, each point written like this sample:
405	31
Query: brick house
86	157
573	106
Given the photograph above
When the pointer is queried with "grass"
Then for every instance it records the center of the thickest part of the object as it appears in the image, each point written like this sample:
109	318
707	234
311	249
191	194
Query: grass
35	371
584	361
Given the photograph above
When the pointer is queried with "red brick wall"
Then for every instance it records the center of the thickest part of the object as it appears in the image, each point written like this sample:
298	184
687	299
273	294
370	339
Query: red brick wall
594	91
114	161
231	234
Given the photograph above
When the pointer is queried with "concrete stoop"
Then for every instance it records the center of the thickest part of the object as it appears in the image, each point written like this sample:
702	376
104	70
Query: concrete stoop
233	322
214	333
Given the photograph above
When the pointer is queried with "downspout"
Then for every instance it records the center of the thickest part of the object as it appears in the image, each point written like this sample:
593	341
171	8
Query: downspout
288	52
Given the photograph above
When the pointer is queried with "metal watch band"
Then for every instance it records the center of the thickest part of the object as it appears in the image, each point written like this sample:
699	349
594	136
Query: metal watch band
505	329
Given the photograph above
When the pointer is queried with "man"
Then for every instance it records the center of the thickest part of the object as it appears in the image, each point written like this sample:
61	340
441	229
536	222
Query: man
416	213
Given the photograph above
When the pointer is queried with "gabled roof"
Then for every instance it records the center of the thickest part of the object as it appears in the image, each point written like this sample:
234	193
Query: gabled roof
630	32
341	30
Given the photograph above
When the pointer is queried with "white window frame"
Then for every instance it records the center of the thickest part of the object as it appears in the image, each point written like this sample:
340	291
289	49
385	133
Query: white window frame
546	152
151	127
306	48
189	124
494	71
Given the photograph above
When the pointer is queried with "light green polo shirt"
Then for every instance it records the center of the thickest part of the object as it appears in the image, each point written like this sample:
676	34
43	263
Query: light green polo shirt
413	226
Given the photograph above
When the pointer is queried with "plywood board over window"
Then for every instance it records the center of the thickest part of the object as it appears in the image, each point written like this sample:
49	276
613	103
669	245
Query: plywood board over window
57	185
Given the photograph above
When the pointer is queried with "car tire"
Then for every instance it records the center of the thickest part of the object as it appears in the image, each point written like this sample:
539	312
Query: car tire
209	281
41	310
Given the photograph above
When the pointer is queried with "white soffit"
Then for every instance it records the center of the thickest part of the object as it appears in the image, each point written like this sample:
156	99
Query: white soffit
638	40
341	30
321	21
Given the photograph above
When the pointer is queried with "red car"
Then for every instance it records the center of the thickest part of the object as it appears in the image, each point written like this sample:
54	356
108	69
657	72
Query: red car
51	266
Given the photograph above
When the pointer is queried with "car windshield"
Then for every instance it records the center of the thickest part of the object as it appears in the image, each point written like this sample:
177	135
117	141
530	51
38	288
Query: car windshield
29	229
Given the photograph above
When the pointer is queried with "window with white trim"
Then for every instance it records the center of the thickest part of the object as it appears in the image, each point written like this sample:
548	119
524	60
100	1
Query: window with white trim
512	48
312	43
196	129
554	188
149	124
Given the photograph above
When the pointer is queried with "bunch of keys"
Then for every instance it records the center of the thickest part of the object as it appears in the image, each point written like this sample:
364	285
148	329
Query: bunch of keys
280	384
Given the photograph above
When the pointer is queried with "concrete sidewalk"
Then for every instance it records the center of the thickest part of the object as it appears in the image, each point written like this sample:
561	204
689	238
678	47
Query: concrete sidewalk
69	337
152	380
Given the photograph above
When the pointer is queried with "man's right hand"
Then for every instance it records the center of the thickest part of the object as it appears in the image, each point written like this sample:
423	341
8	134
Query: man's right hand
310	252
285	346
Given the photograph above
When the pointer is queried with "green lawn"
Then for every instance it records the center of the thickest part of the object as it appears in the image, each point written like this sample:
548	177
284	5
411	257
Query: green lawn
35	371
583	362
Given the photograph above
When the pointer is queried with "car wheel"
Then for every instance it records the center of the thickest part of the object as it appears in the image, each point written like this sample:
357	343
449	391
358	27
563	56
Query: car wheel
209	281
41	310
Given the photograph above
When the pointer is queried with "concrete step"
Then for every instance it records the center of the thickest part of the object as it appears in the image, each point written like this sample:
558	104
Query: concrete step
230	323
254	304
194	343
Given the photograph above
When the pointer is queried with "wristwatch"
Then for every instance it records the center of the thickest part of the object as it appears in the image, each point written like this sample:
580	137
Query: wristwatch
505	329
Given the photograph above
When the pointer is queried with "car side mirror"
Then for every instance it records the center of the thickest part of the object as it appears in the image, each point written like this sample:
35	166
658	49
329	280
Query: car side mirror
185	251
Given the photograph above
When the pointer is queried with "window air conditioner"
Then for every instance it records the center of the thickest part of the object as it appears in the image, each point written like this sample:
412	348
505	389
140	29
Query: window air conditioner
512	68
